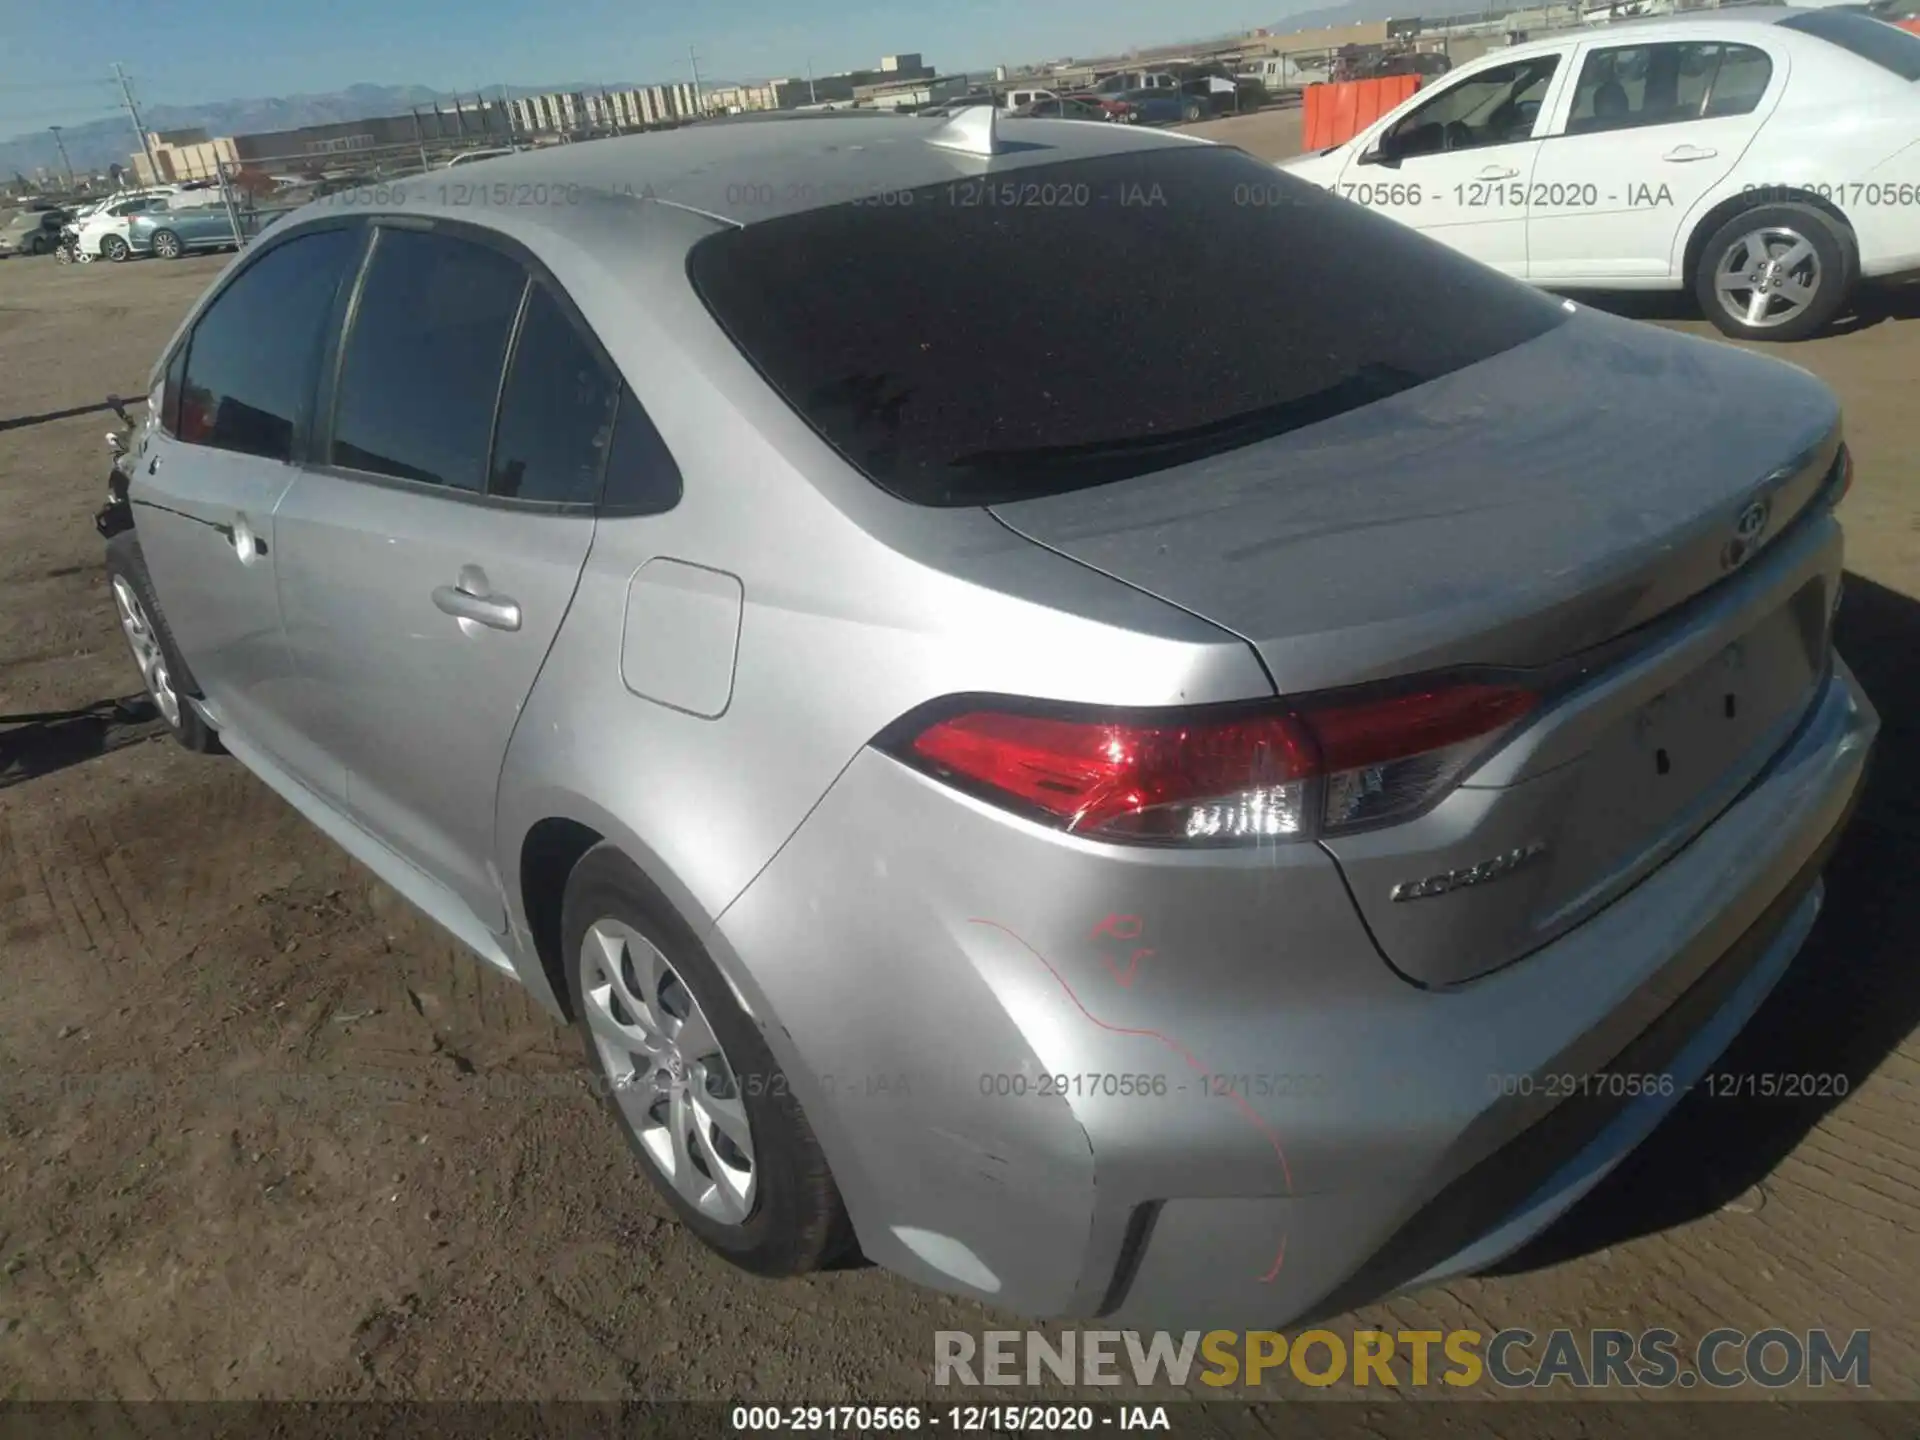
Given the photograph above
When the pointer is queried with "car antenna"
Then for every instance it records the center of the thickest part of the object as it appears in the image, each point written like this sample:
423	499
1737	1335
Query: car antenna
971	132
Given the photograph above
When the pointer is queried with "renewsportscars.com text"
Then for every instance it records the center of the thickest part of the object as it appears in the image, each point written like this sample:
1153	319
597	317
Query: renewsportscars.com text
1508	1359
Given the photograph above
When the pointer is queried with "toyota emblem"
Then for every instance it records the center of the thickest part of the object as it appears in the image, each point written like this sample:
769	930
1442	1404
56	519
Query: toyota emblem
1747	530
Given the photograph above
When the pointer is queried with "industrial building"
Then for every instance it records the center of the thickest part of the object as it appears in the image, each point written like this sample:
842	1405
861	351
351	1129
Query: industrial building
178	155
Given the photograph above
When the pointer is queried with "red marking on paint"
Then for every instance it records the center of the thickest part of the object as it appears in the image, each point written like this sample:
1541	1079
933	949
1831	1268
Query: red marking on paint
1252	1116
1121	927
1131	973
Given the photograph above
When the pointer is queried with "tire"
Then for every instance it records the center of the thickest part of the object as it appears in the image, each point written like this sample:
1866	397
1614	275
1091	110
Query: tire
794	1221
165	675
1820	269
114	249
1192	112
167	245
37	245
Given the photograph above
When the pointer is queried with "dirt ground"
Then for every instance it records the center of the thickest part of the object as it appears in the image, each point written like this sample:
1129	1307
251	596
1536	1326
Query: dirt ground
268	1134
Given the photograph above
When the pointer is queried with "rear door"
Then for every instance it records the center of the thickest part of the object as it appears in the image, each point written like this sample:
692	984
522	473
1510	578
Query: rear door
1642	137
427	562
232	415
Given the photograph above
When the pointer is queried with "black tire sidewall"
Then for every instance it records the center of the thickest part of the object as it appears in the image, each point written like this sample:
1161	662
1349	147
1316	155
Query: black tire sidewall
124	559
798	1223
1837	270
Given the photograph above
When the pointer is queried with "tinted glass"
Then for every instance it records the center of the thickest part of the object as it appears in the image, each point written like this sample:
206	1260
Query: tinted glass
1739	81
170	391
962	354
422	367
254	354
642	478
1885	45
1628	86
556	414
1493	107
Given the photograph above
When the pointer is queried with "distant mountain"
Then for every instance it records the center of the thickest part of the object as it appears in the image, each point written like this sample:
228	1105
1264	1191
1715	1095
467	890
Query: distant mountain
101	143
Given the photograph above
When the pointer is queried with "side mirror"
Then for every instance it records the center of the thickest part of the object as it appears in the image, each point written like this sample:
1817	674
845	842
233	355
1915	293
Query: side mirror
1384	152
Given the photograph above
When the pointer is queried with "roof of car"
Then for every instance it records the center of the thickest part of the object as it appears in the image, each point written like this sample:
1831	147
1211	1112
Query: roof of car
743	173
1683	24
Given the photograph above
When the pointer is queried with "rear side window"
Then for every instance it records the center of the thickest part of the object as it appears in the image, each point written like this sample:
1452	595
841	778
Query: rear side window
642	478
420	372
1625	87
556	414
966	354
1887	46
252	359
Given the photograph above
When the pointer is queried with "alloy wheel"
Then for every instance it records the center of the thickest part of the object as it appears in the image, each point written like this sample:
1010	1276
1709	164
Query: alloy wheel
147	651
1767	277
669	1073
114	248
166	246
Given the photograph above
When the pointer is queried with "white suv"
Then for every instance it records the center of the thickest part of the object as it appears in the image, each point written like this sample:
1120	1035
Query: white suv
1764	158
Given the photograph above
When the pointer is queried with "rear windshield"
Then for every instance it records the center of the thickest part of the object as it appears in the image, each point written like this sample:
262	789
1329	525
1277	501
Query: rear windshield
1074	324
1887	46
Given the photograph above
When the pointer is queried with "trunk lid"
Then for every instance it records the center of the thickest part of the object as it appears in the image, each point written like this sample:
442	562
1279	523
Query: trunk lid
1540	505
1510	513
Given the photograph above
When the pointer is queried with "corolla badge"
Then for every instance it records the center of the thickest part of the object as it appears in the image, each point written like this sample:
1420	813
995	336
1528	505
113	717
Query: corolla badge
1747	530
1480	874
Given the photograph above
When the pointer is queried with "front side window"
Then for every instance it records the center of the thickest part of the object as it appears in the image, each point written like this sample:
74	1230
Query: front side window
420	370
1492	107
556	413
251	361
1627	86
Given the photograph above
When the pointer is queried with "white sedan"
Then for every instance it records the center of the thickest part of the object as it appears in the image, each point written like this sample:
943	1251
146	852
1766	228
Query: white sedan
1765	158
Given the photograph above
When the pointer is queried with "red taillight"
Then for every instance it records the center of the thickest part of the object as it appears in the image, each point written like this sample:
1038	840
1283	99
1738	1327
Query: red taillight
1311	769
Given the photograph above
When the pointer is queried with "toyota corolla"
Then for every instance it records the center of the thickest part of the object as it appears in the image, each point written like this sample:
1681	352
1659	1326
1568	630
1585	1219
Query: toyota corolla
1213	838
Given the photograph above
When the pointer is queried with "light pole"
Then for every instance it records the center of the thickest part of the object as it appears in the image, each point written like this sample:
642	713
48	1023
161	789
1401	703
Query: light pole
146	148
66	164
699	101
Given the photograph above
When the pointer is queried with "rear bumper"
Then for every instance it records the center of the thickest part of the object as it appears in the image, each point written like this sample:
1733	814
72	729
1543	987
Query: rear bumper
1251	1119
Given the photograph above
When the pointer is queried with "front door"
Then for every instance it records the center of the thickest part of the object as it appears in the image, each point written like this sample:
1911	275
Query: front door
216	462
1643	136
1456	165
426	567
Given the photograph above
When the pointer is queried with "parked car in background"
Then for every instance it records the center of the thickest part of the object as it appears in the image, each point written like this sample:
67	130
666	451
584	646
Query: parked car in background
1154	107
31	232
104	232
1406	678
1020	98
1220	93
1766	159
172	231
1058	108
1128	80
468	157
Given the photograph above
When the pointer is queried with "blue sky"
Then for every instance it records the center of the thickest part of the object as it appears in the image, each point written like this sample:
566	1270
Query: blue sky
56	57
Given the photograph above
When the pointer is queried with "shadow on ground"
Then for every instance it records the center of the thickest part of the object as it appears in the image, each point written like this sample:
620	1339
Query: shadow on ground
1850	1000
41	745
1872	305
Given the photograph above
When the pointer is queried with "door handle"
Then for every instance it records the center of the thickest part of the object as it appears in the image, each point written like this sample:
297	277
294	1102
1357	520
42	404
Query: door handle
1680	154
1498	172
471	599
